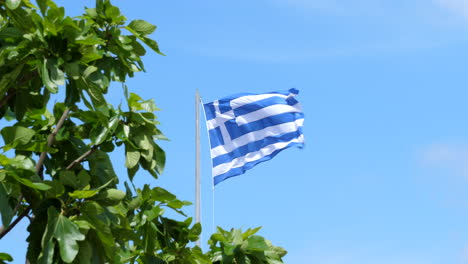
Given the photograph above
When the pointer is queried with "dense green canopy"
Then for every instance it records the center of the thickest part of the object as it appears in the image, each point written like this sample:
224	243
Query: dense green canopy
55	168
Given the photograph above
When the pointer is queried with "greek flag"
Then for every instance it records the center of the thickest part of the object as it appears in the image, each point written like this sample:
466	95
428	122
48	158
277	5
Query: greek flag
247	129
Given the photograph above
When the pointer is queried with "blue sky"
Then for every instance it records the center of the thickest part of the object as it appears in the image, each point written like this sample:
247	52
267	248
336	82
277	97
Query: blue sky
383	84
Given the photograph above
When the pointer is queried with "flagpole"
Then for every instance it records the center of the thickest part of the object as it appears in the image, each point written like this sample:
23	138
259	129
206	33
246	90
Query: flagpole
197	162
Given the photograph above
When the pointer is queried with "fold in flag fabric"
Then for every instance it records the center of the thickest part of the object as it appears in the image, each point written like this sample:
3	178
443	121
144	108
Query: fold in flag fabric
247	129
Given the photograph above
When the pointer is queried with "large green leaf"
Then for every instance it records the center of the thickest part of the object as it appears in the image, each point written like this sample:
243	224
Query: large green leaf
52	75
257	243
101	168
27	182
65	232
83	194
17	135
10	32
142	27
13	4
5	209
132	157
5	257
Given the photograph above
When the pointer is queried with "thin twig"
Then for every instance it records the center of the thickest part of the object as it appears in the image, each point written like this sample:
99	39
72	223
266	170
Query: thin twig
50	141
14	223
19	203
81	158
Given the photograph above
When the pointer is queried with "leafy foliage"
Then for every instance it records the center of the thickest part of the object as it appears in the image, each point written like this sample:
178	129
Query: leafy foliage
55	167
238	247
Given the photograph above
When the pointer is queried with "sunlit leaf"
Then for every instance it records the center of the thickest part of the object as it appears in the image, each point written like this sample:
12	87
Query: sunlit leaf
65	231
142	27
13	4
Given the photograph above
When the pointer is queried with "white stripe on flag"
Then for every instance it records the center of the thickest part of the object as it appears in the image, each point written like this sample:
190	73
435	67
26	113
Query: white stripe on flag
255	136
267	112
253	156
247	99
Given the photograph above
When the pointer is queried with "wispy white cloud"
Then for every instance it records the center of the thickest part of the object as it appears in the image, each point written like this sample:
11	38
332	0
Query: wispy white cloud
459	7
453	157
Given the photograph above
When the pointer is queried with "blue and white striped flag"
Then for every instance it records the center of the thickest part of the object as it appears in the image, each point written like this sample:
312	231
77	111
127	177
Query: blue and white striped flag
247	129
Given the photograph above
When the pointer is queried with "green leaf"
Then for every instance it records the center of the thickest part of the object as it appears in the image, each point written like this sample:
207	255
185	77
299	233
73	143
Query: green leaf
101	133
91	12
65	231
10	32
17	135
195	232
132	157
160	158
83	179
22	19
142	27
13	4
37	147
42	5
152	44
162	195
77	194
90	69
110	196
52	75
85	254
5	209
101	168
98	218
68	178
257	243
250	232
90	53
149	42
35	185
5	257
8	79
90	39
56	190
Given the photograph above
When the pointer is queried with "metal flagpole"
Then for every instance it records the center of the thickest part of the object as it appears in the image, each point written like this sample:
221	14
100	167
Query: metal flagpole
197	162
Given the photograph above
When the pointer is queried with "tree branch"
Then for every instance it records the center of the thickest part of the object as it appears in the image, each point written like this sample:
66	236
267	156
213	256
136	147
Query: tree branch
14	223
81	158
50	141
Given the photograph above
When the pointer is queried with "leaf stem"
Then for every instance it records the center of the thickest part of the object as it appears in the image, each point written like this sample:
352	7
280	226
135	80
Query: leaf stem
50	141
81	158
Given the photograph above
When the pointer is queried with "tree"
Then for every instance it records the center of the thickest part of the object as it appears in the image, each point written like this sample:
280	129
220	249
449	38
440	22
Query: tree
55	168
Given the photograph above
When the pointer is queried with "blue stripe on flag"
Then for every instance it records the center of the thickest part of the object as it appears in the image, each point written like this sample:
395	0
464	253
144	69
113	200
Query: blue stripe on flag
255	146
247	166
210	111
216	138
236	131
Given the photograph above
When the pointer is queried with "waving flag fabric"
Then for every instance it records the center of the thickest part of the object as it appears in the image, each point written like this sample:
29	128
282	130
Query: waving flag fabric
247	129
